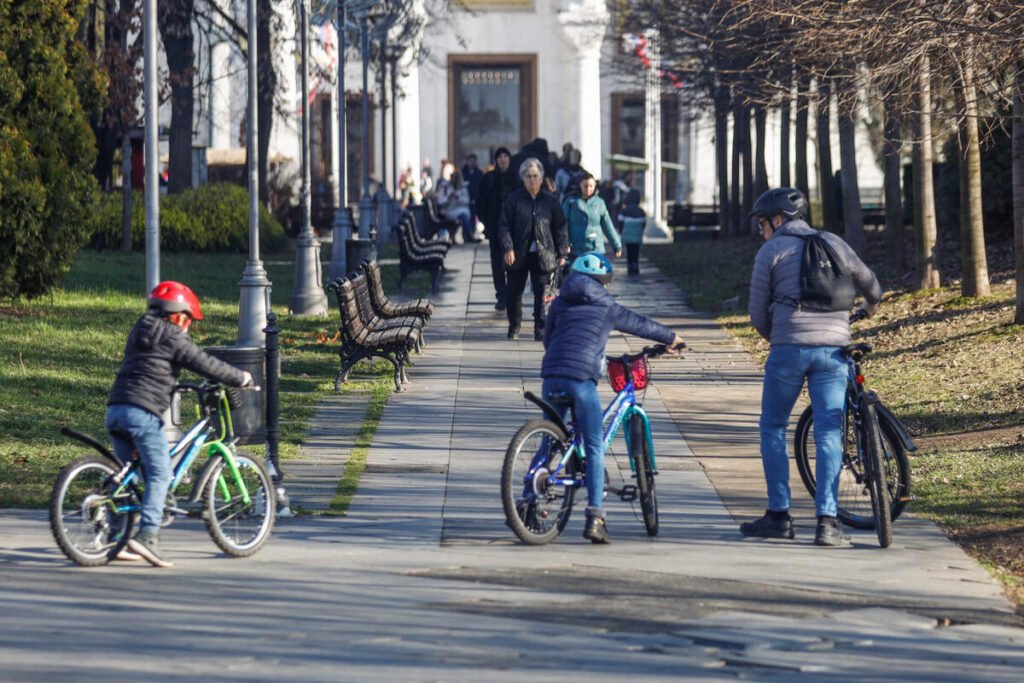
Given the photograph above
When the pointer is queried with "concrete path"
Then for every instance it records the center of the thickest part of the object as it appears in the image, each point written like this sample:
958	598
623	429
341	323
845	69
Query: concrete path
423	582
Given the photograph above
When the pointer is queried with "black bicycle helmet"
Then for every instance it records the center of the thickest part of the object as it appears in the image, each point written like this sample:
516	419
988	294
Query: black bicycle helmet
782	201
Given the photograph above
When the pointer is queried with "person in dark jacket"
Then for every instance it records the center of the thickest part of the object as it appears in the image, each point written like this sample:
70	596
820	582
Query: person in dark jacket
581	317
535	242
495	186
805	344
157	349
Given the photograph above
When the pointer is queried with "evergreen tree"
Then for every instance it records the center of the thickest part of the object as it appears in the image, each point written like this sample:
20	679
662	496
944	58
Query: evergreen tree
47	149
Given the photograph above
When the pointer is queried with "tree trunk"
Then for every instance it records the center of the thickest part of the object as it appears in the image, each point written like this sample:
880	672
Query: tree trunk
267	79
760	170
734	189
748	175
802	109
126	193
722	157
853	215
895	259
175	20
826	181
973	263
925	229
785	177
1018	189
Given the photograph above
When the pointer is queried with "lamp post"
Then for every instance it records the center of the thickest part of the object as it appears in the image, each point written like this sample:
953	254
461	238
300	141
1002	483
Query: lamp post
255	294
343	223
365	247
382	199
308	297
152	182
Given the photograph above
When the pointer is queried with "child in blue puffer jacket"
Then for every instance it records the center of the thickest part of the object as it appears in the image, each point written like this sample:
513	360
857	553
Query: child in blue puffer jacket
577	330
588	220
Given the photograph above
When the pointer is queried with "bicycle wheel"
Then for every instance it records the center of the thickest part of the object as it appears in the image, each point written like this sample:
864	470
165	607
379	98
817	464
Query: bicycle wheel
84	518
880	499
641	456
536	511
239	528
853	498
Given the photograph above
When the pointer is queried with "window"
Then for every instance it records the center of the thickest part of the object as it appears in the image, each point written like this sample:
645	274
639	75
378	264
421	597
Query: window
491	104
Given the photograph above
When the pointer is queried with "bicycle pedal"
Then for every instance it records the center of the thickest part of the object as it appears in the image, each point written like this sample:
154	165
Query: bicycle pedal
628	493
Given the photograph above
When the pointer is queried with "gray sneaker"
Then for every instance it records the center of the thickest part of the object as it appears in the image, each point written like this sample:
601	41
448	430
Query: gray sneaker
829	533
145	544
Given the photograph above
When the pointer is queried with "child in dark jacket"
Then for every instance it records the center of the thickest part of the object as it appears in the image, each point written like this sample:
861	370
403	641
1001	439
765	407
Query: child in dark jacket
157	349
632	222
577	330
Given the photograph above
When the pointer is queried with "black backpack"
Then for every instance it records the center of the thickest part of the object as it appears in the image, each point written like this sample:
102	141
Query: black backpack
826	284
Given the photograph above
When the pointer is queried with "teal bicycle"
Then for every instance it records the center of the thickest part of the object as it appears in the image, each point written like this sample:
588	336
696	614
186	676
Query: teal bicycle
97	499
544	464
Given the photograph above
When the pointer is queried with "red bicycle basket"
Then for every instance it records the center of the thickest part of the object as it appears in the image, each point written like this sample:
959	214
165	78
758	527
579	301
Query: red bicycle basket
617	374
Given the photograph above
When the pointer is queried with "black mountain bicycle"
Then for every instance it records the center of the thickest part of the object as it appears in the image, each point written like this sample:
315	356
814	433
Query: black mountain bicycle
97	498
874	480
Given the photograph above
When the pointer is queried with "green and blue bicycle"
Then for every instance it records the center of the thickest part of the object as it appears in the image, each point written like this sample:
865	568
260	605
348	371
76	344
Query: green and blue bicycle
97	499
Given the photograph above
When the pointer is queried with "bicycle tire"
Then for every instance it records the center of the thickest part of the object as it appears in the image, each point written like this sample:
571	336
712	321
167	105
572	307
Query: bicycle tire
239	529
536	513
644	470
87	530
873	455
854	505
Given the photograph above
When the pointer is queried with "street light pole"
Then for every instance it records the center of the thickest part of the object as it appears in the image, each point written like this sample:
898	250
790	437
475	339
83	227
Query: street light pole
343	224
308	297
152	182
255	287
382	198
365	247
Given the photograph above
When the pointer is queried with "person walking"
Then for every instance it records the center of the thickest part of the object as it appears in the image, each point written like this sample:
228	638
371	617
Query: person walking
495	186
535	243
632	222
805	344
587	218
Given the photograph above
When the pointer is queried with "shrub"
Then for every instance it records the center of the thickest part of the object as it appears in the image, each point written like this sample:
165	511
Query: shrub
212	217
46	146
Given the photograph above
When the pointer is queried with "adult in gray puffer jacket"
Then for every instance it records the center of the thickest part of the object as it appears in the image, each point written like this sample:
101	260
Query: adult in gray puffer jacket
805	344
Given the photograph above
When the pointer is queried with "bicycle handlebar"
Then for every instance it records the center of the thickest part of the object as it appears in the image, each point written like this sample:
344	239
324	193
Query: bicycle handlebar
648	351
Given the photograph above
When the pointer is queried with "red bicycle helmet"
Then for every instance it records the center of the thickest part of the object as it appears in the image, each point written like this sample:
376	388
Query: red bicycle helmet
174	297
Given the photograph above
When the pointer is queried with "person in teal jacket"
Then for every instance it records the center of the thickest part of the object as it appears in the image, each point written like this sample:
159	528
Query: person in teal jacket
587	218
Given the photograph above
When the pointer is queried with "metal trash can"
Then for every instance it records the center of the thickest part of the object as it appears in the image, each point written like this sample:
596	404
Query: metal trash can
249	420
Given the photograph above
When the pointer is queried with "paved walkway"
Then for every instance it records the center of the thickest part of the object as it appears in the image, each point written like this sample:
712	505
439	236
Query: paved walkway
423	582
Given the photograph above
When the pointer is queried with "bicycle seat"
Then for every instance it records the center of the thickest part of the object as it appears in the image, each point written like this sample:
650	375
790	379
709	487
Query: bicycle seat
121	434
861	348
559	399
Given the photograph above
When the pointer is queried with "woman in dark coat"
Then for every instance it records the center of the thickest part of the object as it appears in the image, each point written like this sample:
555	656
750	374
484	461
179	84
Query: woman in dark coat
535	242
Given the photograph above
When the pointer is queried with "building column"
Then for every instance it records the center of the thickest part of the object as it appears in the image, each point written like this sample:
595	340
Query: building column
657	230
220	86
584	23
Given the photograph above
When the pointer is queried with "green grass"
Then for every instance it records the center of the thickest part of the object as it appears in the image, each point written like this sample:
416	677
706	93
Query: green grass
61	352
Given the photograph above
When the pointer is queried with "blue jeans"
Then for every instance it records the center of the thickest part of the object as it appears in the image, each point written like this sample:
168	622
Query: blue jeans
826	371
147	432
588	421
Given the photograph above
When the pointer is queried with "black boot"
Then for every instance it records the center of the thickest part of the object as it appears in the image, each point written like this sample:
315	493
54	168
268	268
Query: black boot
829	533
595	528
771	525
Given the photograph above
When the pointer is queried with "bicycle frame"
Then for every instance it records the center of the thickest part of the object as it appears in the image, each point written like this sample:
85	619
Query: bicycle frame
622	406
184	454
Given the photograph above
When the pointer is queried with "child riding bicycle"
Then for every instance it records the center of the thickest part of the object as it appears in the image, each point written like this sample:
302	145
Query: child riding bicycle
157	349
578	325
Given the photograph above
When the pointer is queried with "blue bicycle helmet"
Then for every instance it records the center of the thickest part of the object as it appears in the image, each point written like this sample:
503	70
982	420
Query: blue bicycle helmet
596	265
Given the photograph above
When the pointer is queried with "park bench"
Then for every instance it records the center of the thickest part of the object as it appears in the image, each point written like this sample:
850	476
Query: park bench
412	256
438	222
384	306
360	341
370	318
